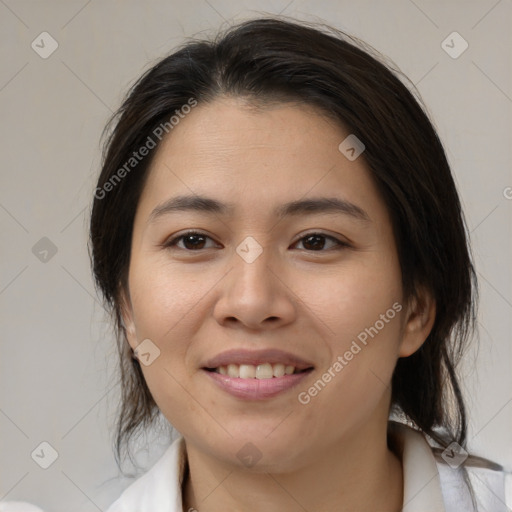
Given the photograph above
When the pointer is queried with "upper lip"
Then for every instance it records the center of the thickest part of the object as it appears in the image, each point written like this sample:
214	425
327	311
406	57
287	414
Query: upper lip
256	357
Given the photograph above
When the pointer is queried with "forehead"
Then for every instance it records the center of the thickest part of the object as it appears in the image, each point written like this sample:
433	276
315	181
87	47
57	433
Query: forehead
257	159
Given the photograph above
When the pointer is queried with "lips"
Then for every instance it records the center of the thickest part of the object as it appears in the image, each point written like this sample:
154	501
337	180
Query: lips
257	358
256	389
256	375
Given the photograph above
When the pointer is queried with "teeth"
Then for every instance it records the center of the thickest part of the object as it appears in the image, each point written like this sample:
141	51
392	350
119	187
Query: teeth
262	371
247	371
278	370
233	370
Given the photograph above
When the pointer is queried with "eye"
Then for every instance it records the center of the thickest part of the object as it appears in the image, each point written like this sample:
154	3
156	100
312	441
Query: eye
316	242
192	241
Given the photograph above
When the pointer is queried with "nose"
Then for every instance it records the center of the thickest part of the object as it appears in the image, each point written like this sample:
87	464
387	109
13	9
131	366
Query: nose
255	295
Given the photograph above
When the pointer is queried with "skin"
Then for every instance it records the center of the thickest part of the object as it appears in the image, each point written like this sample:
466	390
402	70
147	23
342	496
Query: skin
311	300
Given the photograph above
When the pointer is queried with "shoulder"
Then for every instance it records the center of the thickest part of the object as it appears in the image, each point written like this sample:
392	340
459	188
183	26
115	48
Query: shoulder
486	480
160	488
450	479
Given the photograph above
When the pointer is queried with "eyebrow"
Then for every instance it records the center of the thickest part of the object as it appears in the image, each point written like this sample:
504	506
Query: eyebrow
294	208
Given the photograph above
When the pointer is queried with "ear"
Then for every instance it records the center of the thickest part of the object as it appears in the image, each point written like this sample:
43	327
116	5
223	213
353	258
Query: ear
127	319
419	320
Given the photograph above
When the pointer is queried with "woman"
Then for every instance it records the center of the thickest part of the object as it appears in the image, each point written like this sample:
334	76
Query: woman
278	235
280	239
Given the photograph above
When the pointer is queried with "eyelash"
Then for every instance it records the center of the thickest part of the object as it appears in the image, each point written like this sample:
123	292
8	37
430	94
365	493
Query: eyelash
171	243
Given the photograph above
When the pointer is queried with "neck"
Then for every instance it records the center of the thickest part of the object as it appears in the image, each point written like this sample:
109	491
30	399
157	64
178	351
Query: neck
358	473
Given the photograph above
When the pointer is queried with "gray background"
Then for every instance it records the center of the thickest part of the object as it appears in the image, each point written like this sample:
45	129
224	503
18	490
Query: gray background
58	353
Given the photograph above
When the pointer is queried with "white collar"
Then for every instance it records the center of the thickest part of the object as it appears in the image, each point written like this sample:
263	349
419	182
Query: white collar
422	485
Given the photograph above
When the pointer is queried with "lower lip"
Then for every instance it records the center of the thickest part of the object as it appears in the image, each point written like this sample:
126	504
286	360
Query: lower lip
257	389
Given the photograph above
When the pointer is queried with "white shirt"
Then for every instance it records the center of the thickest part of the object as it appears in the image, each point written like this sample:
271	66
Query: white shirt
430	484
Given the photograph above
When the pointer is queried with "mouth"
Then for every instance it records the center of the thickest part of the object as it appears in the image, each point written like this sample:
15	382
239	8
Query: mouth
257	375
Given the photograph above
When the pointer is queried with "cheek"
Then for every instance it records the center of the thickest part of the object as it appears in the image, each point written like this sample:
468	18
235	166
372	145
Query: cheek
164	299
356	382
350	298
165	306
363	309
168	388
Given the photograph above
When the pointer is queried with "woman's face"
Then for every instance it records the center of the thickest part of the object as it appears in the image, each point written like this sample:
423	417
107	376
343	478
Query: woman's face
265	286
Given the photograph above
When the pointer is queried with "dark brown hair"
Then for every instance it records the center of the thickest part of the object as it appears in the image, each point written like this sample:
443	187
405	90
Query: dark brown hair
272	59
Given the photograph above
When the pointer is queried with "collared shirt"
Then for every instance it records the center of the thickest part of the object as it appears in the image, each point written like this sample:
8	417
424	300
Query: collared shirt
430	484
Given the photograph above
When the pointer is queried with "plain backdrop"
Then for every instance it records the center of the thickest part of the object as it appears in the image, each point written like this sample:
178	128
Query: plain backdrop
58	354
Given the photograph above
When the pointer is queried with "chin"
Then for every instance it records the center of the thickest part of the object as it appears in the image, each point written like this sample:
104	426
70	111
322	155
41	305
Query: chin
255	450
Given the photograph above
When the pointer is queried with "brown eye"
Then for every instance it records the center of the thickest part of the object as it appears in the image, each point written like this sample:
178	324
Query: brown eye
317	242
192	241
